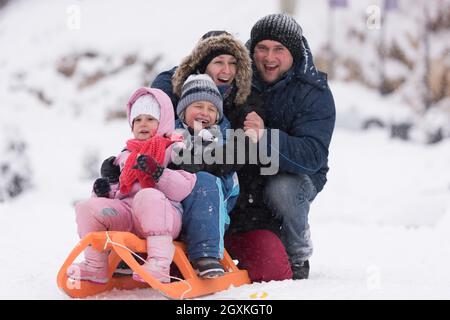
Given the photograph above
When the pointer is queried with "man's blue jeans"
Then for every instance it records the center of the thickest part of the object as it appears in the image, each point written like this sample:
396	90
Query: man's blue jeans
289	196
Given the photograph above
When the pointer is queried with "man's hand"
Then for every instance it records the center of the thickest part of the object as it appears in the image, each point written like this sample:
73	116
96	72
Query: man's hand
150	166
254	126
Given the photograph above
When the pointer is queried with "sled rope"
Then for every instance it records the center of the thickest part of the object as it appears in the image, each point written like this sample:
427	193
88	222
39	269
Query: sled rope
108	240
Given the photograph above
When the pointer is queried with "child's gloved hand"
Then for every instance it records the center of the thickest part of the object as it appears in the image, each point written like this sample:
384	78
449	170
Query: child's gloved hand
110	171
150	166
102	188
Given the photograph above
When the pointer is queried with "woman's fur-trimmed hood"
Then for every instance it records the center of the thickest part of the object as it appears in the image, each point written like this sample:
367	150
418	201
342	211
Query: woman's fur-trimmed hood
190	64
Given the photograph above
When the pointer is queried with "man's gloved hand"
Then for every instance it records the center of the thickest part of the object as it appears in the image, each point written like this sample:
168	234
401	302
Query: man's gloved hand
110	171
102	188
150	166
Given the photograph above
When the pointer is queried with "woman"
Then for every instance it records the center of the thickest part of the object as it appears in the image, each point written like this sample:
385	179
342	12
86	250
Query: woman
226	61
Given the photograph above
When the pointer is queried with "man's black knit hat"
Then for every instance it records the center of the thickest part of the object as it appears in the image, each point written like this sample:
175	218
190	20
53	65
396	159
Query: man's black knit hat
278	27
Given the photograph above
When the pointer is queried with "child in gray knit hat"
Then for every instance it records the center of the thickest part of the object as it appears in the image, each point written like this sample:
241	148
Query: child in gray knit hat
202	123
201	104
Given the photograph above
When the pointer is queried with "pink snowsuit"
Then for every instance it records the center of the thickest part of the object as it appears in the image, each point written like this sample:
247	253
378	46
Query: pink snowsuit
151	213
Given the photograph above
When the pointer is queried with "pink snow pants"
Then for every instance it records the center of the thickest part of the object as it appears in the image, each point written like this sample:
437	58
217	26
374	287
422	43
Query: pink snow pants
148	213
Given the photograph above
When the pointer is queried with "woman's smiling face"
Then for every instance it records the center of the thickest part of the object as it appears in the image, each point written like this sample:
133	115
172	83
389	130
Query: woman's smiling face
222	69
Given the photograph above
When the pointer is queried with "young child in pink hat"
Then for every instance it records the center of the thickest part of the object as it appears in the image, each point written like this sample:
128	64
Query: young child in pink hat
147	203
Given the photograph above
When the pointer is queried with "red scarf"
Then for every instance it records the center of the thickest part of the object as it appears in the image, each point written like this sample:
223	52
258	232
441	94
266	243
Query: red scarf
154	147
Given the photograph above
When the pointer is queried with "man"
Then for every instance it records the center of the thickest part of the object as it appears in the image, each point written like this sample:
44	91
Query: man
298	103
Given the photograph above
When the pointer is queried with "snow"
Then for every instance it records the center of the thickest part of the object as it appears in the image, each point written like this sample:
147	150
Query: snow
380	227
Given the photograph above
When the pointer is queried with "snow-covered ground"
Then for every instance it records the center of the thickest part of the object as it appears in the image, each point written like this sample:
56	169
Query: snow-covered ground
380	227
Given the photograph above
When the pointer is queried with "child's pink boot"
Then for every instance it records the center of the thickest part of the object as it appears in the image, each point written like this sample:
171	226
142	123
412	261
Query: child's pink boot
94	268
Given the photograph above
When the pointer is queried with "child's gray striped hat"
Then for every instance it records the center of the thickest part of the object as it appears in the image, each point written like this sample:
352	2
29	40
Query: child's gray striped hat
199	87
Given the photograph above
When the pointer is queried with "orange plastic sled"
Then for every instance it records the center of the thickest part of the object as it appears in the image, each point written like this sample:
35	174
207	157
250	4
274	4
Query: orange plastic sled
192	286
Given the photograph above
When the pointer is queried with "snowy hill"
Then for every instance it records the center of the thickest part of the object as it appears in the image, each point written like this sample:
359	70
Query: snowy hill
380	227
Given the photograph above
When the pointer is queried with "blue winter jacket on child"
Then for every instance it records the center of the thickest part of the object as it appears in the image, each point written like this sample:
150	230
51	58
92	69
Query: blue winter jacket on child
205	216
